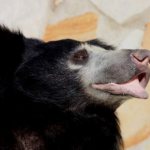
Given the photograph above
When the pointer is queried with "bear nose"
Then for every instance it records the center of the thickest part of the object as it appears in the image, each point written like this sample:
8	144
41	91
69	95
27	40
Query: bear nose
141	58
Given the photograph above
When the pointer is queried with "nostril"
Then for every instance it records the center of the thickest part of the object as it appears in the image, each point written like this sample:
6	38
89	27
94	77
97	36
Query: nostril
139	59
141	55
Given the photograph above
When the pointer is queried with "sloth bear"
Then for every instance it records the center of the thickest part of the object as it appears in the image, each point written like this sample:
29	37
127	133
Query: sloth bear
62	95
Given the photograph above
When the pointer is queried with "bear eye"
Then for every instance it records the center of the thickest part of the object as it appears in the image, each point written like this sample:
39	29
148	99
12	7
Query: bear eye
80	57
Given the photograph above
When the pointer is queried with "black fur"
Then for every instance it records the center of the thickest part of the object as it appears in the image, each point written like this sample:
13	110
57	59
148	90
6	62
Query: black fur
102	44
42	103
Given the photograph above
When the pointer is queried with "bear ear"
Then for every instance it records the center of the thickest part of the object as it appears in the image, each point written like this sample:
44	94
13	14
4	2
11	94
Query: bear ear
79	57
11	51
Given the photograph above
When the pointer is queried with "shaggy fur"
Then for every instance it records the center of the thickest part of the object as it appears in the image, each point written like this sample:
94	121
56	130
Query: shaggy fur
44	104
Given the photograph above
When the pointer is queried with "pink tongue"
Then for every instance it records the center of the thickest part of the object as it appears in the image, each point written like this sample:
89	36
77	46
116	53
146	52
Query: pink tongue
132	88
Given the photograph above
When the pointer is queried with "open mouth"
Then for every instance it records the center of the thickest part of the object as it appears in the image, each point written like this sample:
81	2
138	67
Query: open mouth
134	87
